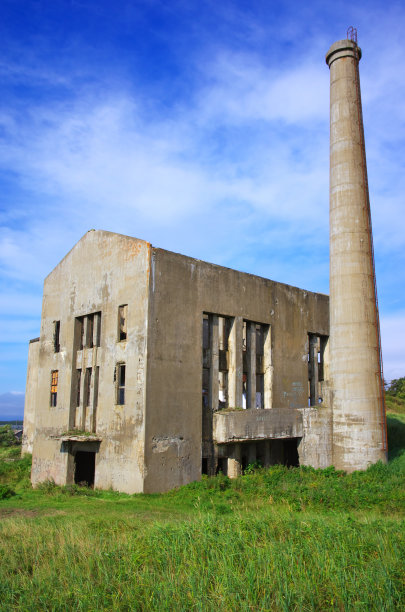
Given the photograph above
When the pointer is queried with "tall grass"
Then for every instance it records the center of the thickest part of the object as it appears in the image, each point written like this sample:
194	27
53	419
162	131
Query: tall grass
268	561
278	539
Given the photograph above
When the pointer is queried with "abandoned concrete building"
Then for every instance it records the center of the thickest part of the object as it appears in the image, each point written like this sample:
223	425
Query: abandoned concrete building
153	368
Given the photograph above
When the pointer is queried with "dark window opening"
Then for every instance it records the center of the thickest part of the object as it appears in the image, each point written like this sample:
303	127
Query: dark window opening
121	384
122	322
97	324
87	387
80	331
54	387
56	337
90	331
78	383
85	463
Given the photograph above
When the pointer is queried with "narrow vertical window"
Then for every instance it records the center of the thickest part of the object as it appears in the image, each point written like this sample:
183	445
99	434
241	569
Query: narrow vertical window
97	326
78	383
121	384
56	335
89	331
54	387
80	332
87	386
122	322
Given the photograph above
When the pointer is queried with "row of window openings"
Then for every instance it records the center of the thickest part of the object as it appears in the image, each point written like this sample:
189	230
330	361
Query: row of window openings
89	329
224	329
119	380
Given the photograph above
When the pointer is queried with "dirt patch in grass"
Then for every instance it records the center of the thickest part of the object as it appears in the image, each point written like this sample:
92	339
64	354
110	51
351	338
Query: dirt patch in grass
20	512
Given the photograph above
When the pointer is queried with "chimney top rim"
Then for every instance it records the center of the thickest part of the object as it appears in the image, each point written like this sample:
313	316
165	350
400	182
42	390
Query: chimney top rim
343	48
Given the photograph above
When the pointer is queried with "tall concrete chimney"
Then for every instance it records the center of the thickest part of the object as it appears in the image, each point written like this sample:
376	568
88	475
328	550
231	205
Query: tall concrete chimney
357	394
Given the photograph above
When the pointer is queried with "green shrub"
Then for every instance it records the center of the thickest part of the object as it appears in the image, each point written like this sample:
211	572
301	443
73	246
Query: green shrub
7	437
6	491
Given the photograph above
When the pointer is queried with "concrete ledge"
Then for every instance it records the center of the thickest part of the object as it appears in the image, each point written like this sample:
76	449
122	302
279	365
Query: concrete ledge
255	424
78	438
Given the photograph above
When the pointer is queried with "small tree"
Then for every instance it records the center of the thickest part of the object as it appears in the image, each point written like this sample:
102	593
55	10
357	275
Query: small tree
396	388
7	437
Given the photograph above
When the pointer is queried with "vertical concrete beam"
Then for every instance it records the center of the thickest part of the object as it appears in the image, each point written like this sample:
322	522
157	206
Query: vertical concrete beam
214	370
251	364
235	363
268	370
234	462
81	409
358	409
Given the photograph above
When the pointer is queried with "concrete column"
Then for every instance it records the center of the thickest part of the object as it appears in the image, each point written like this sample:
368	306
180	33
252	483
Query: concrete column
234	462
80	410
214	369
357	401
268	370
251	363
235	372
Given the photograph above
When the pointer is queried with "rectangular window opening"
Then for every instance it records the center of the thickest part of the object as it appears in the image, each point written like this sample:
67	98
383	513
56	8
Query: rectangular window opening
97	325
56	337
90	331
316	367
121	384
87	387
122	322
54	387
256	351
78	383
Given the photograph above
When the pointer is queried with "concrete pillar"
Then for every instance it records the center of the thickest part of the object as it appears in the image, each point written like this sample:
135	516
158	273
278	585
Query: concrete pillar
251	363
235	363
234	462
214	369
357	400
268	370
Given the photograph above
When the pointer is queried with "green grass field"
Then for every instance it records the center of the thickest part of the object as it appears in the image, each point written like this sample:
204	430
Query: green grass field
278	539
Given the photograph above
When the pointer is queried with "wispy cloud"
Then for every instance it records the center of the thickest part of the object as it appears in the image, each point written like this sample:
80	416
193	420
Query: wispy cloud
222	156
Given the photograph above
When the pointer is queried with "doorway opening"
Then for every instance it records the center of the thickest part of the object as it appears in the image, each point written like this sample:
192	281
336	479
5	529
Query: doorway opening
85	463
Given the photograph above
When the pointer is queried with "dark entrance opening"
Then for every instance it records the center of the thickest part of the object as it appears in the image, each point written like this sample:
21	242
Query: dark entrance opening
85	462
222	465
291	452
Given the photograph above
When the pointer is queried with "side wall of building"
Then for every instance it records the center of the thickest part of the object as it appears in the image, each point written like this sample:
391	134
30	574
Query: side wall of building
181	290
30	395
102	272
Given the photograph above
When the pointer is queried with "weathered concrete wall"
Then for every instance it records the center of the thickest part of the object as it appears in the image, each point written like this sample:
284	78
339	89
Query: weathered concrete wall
257	425
30	394
357	392
315	448
102	272
181	289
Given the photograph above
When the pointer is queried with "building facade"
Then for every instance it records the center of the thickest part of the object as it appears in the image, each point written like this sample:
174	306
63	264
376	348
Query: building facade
153	368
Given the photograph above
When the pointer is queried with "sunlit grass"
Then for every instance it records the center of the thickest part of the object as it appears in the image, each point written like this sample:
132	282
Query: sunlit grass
278	539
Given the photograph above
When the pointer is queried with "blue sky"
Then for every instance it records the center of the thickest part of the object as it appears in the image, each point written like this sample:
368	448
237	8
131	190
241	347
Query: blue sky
200	126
